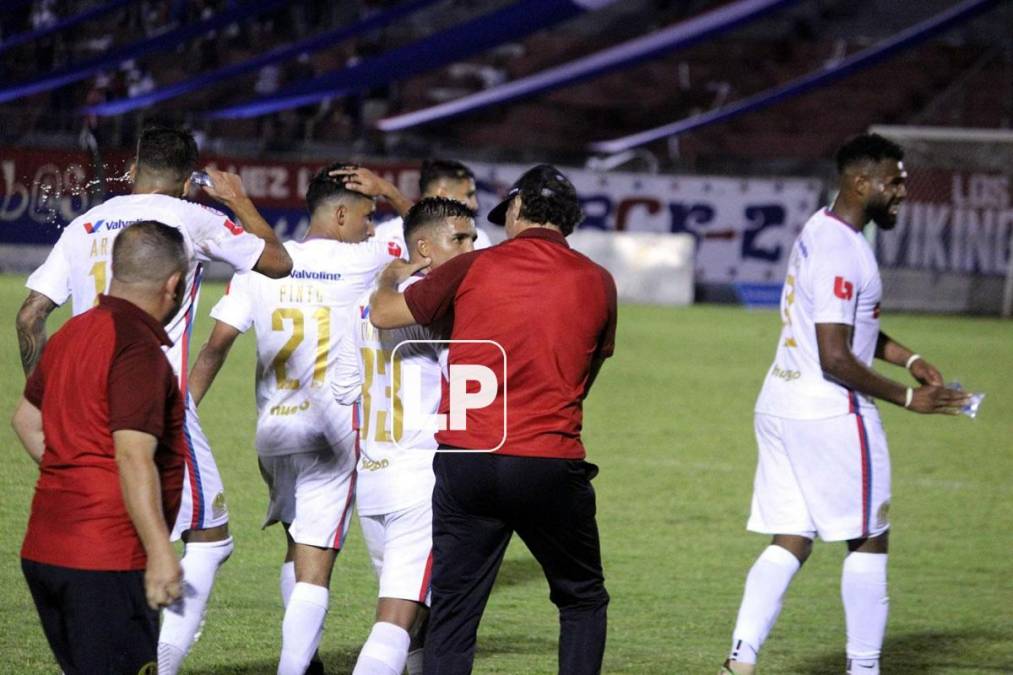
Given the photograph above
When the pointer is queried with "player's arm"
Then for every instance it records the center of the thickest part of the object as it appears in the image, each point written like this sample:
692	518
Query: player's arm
839	363
368	183
142	495
387	306
211	359
31	328
227	188
891	351
27	423
607	339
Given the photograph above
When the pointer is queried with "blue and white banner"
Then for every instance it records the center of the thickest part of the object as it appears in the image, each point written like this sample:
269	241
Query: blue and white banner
743	227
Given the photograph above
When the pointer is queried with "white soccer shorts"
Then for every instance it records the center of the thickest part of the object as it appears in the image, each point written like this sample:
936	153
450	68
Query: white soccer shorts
400	544
203	504
312	492
828	478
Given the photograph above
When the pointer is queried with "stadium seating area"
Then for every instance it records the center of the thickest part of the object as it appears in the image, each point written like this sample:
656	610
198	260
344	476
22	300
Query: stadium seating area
949	82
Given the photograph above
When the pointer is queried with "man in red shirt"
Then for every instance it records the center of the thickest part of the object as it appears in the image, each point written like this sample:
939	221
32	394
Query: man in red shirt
541	318
102	415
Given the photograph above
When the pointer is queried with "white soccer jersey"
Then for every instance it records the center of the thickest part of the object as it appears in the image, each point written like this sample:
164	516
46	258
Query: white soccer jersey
394	476
832	278
393	231
80	265
299	323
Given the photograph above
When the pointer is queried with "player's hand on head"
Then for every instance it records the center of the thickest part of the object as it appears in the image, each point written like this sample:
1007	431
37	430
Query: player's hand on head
225	187
163	579
361	180
937	399
926	373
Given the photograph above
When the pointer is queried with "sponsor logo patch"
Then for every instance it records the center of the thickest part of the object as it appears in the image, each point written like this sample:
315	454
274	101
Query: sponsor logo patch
218	505
843	288
109	225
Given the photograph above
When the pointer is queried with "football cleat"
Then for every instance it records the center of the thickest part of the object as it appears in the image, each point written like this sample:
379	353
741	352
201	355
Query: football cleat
730	667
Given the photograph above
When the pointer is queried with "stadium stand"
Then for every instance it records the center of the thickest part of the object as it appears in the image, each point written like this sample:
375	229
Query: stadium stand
962	80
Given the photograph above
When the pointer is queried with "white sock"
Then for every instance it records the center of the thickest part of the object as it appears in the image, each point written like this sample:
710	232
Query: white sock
303	627
182	621
385	651
415	658
766	584
287	581
866	605
170	658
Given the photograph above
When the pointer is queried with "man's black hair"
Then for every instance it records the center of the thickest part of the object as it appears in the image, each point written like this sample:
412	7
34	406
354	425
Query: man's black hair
324	186
431	210
865	148
167	150
557	203
435	169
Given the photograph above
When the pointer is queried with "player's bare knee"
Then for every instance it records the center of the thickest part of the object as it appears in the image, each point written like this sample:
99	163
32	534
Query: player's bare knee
878	544
402	613
313	565
798	546
212	534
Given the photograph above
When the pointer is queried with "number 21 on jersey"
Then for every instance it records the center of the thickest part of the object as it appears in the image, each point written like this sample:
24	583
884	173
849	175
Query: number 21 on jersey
279	318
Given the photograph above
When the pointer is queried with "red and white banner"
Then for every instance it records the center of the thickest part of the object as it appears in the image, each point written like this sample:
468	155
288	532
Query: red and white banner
742	227
952	221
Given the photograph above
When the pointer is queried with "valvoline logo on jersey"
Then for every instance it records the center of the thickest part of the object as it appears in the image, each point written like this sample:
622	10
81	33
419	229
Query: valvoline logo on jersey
109	225
315	276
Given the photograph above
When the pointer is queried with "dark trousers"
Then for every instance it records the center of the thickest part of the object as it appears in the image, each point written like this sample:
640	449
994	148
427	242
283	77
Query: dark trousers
97	623
479	501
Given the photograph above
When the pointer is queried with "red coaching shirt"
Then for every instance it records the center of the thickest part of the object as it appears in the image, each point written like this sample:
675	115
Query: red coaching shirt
103	371
552	310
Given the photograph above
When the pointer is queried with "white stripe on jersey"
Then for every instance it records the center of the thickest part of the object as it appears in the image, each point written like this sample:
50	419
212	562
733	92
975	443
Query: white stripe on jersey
832	278
79	266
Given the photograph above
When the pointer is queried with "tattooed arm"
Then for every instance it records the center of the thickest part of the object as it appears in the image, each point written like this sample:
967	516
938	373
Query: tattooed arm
31	326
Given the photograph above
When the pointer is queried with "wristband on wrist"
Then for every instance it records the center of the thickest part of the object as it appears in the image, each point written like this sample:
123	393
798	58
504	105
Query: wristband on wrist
911	359
908	397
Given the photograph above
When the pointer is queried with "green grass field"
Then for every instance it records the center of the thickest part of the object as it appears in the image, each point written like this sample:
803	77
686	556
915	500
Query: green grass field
670	424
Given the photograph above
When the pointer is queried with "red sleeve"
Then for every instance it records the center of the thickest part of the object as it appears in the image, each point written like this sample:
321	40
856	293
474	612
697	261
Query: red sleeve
607	341
140	383
433	297
34	386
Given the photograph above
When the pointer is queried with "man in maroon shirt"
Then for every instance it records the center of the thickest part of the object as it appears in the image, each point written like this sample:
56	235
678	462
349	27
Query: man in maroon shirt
551	313
102	415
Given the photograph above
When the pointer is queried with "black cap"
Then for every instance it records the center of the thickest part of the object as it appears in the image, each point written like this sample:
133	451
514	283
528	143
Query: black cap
540	182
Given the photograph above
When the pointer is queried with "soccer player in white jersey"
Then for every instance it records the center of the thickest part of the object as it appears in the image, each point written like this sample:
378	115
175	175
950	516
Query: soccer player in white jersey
305	440
394	494
439	178
823	468
78	268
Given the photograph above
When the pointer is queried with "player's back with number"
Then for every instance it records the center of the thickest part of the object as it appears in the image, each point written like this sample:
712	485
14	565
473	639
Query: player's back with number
78	268
299	322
